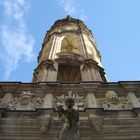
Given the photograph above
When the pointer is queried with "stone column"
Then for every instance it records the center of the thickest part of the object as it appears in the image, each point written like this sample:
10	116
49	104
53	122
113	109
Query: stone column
91	101
48	101
85	73
134	100
52	48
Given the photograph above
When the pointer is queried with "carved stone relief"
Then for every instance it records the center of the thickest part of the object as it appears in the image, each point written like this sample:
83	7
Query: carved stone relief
6	100
79	101
26	101
113	102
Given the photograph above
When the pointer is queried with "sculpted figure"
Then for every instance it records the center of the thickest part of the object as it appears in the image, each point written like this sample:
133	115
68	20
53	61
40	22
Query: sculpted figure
26	101
111	97
70	116
113	102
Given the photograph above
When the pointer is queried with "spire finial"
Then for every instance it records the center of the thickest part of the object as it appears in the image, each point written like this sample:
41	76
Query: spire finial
69	17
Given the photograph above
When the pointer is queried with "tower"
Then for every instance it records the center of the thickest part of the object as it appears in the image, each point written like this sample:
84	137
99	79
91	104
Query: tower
69	54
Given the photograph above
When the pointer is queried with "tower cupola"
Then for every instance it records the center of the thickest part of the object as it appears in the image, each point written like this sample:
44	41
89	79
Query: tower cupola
69	54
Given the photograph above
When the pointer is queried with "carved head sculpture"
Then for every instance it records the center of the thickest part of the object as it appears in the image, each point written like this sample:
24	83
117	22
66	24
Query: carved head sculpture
25	98
69	103
111	97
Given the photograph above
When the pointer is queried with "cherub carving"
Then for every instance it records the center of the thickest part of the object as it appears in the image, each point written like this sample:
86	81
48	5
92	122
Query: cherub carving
113	102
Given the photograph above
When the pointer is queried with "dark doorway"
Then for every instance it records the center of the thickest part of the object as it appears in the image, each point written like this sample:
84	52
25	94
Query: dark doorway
68	73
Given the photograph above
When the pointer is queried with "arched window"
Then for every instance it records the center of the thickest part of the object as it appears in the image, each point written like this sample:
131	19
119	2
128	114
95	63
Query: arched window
68	67
70	44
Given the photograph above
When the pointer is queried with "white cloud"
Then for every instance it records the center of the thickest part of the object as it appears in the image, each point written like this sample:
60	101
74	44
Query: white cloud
71	8
17	43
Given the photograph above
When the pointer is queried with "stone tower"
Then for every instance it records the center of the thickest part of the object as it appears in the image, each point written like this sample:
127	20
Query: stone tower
69	54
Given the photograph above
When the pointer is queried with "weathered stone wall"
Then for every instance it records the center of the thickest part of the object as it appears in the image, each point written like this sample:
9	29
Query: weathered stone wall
108	111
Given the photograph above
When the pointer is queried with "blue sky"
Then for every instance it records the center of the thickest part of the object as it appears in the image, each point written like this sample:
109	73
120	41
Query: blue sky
115	25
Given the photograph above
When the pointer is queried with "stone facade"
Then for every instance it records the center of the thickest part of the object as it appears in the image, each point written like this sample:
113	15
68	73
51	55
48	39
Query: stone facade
106	110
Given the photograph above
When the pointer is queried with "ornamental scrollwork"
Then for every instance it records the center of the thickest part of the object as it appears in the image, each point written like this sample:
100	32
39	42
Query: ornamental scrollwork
113	102
26	101
79	101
